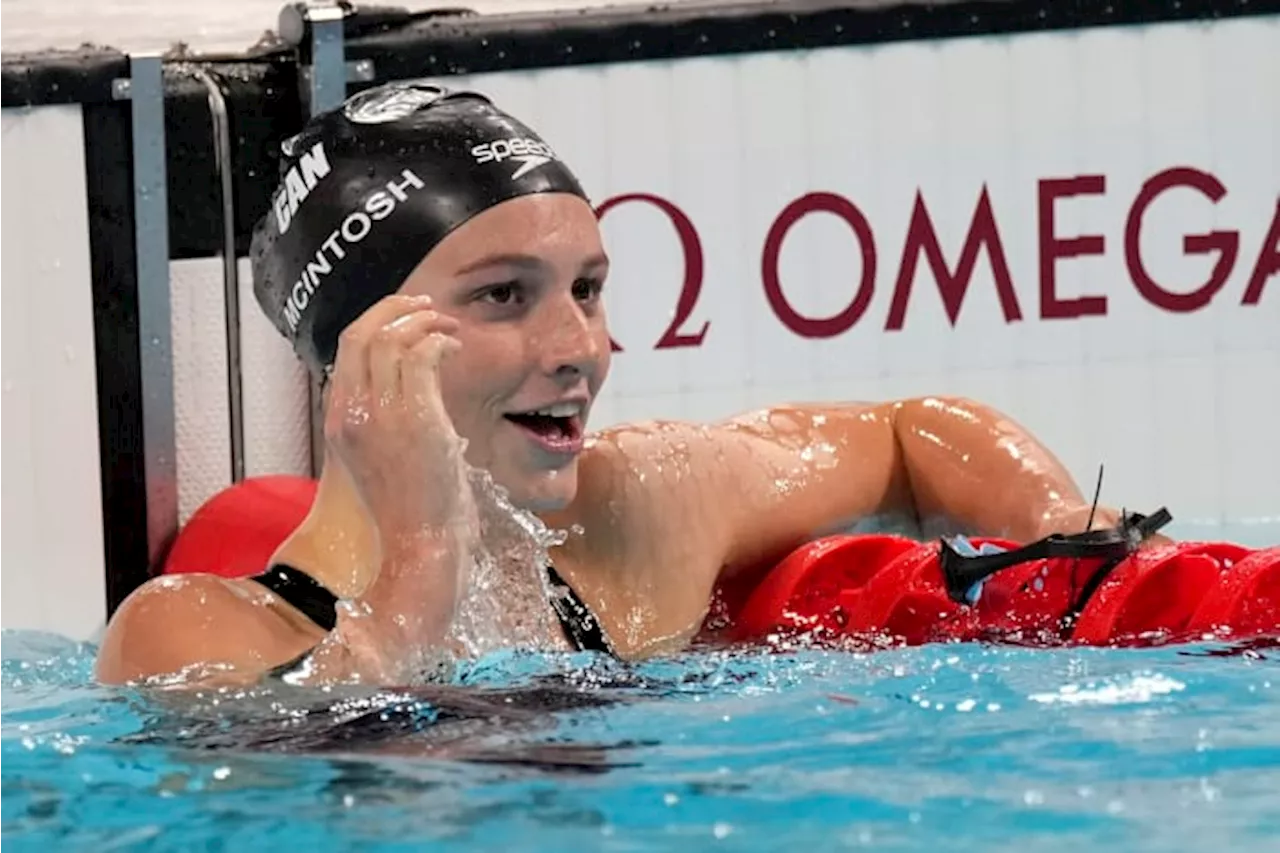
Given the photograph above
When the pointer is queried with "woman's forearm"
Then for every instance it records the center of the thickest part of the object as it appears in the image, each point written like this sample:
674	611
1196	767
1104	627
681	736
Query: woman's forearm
405	616
398	576
399	626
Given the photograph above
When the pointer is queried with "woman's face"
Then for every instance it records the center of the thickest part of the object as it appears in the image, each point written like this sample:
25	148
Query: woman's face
523	279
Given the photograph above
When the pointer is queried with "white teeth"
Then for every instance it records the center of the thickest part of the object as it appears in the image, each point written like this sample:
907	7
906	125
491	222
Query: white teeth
561	410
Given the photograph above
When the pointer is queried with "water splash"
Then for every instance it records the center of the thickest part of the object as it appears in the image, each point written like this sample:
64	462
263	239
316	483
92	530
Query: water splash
503	599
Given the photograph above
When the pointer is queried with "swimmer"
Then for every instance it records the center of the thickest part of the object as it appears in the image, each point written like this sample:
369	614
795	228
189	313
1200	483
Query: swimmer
442	268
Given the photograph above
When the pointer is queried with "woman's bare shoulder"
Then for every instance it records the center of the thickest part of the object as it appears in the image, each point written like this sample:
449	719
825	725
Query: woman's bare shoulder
173	625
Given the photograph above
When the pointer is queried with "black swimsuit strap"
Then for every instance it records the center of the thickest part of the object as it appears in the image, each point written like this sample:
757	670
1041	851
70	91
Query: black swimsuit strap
579	623
303	592
320	605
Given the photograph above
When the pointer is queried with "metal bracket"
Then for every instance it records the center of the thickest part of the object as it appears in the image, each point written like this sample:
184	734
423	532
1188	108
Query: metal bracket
123	89
317	31
358	71
145	88
224	159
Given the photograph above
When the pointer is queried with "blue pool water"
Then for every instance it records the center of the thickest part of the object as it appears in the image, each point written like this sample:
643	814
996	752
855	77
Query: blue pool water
937	748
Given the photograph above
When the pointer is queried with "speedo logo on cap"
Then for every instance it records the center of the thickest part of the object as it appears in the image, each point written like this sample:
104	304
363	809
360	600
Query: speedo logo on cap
529	153
299	181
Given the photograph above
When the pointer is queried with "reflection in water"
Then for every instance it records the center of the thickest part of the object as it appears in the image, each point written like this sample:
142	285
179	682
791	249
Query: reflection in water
507	726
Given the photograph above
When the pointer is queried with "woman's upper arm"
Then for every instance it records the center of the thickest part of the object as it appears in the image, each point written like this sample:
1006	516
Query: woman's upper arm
199	627
795	473
705	499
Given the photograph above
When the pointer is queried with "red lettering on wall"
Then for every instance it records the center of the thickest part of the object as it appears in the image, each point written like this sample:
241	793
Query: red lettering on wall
691	287
1052	248
811	327
1268	261
922	238
1226	243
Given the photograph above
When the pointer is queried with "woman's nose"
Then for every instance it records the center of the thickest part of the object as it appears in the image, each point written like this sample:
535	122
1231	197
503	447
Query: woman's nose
570	345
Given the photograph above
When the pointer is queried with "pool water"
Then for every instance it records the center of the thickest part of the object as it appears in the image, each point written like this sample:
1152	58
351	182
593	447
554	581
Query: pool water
937	748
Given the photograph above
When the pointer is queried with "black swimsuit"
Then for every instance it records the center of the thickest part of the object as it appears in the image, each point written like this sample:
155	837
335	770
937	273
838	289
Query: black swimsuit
320	605
576	619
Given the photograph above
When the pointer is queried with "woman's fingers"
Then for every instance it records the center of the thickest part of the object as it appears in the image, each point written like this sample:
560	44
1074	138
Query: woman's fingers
369	349
420	372
392	345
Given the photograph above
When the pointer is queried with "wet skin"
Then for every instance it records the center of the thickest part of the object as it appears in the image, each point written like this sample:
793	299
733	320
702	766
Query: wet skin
504	318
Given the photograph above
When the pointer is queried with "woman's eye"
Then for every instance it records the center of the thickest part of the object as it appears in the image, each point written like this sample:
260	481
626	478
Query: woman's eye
502	294
587	289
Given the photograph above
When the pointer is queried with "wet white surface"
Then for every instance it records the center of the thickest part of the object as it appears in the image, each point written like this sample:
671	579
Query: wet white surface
227	25
149	25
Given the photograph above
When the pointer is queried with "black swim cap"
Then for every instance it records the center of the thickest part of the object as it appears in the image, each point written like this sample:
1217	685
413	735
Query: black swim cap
369	188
